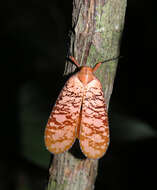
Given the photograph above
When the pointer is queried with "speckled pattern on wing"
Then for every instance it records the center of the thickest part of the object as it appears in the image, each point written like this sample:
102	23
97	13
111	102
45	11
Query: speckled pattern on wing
61	129
94	129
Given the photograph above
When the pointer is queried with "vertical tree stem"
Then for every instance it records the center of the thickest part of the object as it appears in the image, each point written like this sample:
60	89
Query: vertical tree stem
97	29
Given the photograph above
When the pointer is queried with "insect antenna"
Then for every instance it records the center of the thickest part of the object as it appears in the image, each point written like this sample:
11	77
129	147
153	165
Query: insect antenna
72	59
97	65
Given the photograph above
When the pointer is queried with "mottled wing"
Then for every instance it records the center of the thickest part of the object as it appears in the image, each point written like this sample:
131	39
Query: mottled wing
61	129
94	129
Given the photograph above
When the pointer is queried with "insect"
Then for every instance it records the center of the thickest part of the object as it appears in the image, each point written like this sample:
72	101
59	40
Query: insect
79	112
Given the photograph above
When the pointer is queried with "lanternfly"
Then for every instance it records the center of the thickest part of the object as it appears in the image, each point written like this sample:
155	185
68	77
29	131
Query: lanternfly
79	112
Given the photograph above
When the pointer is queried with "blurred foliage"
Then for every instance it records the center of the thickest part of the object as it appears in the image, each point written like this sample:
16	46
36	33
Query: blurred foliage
130	129
33	118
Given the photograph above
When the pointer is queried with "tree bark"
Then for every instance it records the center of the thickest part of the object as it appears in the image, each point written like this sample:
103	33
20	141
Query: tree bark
97	28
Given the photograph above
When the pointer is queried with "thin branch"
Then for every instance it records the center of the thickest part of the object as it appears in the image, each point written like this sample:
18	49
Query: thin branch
97	29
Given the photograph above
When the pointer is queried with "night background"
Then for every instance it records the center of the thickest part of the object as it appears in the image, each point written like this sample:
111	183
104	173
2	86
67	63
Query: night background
33	49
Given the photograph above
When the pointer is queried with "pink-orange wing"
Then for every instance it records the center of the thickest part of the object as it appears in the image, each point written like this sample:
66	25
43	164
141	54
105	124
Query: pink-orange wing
61	129
94	129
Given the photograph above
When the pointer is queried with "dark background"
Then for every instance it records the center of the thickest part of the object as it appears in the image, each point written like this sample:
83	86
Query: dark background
33	49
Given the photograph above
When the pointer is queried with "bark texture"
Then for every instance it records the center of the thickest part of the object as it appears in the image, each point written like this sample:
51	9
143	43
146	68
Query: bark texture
97	28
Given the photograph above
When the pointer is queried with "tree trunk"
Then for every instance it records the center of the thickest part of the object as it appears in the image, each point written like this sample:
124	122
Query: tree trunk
97	29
